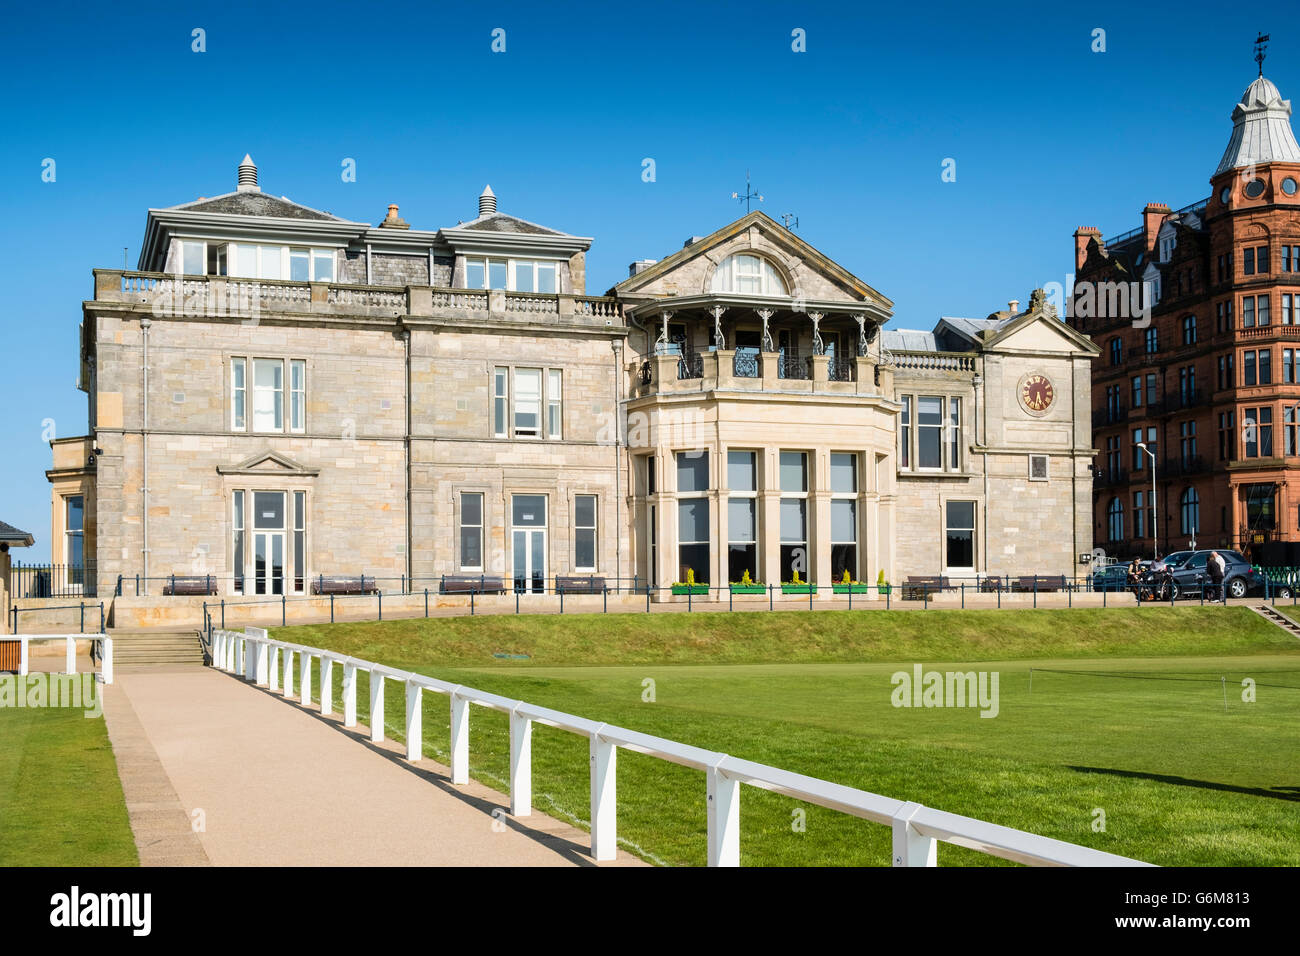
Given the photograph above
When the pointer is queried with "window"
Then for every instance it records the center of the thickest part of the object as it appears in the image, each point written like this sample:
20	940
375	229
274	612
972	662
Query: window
1189	330
1248	261
1153	340
1115	520
929	432
1291	427
1038	468
1259	506
1227	436
1288	366
74	531
1151	388
905	433
1189	505
1137	391
528	402
299	540
471	531
500	397
238	393
268	395
1187	442
237	526
844	516
1114	458
1227	373
742	510
311	265
268	542
1286	258
794	514
1248	312
1265	366
1261	259
193	258
1187	385
748	275
1223	315
1116	351
651	485
584	532
1166	249
1261	309
1257	432
1139	515
516	275
1113	404
1139	457
1288	308
297	394
954	436
960	535
553	416
693	516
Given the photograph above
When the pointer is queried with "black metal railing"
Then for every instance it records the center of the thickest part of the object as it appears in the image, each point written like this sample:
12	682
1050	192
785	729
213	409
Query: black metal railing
790	364
52	580
690	365
841	369
1186	465
646	374
747	364
1109	416
1109	477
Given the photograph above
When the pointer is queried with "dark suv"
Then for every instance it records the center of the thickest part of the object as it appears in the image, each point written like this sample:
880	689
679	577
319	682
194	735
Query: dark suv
1190	576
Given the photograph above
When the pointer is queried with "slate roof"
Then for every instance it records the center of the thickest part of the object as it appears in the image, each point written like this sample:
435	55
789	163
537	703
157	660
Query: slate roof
908	340
12	535
256	204
500	222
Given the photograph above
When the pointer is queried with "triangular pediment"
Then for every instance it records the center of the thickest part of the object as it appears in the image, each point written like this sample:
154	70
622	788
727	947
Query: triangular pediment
269	462
807	272
1038	331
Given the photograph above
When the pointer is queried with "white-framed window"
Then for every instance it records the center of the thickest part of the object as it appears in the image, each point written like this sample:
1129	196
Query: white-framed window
299	541
793	467
237	533
297	394
554	418
268	395
203	258
584	532
954	433
742	515
238	393
471	531
693	525
311	265
844	515
514	275
959	525
905	433
932	440
748	274
929	432
500	401
74	538
262	261
528	403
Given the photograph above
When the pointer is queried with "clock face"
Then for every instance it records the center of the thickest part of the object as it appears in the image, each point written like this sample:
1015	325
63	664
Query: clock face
1037	393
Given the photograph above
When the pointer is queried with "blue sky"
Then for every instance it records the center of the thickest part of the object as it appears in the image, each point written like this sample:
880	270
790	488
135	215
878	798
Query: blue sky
849	135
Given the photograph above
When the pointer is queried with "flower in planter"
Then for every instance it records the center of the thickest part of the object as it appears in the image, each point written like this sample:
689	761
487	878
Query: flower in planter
746	581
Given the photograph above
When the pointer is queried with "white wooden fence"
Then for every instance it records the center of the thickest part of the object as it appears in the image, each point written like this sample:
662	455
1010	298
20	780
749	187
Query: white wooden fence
916	828
106	651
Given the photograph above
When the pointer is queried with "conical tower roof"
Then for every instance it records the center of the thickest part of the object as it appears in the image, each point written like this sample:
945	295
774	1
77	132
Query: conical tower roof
1261	129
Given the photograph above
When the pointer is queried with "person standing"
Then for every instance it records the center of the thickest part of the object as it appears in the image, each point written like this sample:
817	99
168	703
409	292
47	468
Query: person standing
1216	566
1135	578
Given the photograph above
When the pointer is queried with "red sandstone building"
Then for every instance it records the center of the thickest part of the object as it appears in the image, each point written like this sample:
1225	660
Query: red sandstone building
1197	315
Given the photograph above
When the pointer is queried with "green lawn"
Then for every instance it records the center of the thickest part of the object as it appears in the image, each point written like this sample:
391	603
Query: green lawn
61	800
1182	779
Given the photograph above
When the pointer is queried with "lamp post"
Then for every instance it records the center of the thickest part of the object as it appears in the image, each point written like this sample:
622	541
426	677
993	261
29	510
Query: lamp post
1155	532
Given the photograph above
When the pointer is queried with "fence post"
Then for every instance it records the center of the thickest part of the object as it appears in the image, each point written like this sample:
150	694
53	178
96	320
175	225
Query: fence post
689	590
910	848
23	657
381	602
326	686
376	707
723	796
561	592
730	600
414	721
426	602
283	616
471	602
1035	590
101	617
963	595
72	655
521	764
647	598
459	738
106	660
349	694
770	592
288	673
304	679
273	668
604	795
606	609
331	608
812	589
82	628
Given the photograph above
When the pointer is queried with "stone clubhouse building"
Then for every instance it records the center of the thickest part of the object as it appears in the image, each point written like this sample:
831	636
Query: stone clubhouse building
280	397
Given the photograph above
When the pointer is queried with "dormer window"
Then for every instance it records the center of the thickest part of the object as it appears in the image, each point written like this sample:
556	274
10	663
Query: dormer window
748	275
514	275
1166	249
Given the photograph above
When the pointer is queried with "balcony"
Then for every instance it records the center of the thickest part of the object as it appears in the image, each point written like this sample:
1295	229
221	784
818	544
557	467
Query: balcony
1102	417
1192	398
953	363
1286	333
1109	477
1183	467
1139	355
197	297
751	370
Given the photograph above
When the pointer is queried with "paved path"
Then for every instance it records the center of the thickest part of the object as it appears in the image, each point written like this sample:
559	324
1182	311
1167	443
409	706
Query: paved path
279	785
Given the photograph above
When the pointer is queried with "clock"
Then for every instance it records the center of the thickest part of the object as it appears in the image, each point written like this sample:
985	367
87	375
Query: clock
1036	393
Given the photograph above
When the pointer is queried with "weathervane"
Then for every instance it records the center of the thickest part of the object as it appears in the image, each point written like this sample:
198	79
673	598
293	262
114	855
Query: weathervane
749	194
786	217
1261	45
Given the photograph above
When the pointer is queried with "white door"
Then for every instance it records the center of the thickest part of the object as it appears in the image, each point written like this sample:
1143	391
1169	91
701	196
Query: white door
528	543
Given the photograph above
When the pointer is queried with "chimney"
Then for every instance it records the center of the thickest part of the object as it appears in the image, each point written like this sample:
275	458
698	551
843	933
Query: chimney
641	265
1153	217
1082	235
247	182
391	221
487	202
1013	307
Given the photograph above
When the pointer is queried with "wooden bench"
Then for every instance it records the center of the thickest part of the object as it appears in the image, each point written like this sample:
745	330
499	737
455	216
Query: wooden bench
580	584
472	584
992	584
920	587
203	584
1041	582
343	584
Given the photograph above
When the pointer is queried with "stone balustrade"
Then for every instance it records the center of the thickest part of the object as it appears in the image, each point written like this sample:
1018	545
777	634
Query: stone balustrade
717	369
168	295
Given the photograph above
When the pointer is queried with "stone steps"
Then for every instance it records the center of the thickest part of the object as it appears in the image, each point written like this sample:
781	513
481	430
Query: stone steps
157	647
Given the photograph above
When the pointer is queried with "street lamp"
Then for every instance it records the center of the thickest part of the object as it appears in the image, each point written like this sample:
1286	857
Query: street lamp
1155	533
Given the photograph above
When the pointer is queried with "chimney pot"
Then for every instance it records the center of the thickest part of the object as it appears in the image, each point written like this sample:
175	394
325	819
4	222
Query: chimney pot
1014	306
487	202
247	181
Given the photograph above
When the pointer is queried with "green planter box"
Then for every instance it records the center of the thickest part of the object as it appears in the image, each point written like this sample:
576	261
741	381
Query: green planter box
883	588
852	588
798	589
749	589
690	589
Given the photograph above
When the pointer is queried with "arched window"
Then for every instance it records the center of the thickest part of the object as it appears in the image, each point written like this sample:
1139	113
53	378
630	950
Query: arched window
1115	520
748	275
1190	504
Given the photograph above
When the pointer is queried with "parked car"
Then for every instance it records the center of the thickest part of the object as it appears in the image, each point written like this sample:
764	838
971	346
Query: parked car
1112	577
1189	577
1172	560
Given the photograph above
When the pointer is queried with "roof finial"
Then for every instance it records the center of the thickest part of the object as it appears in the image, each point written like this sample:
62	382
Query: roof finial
487	202
247	176
1261	45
